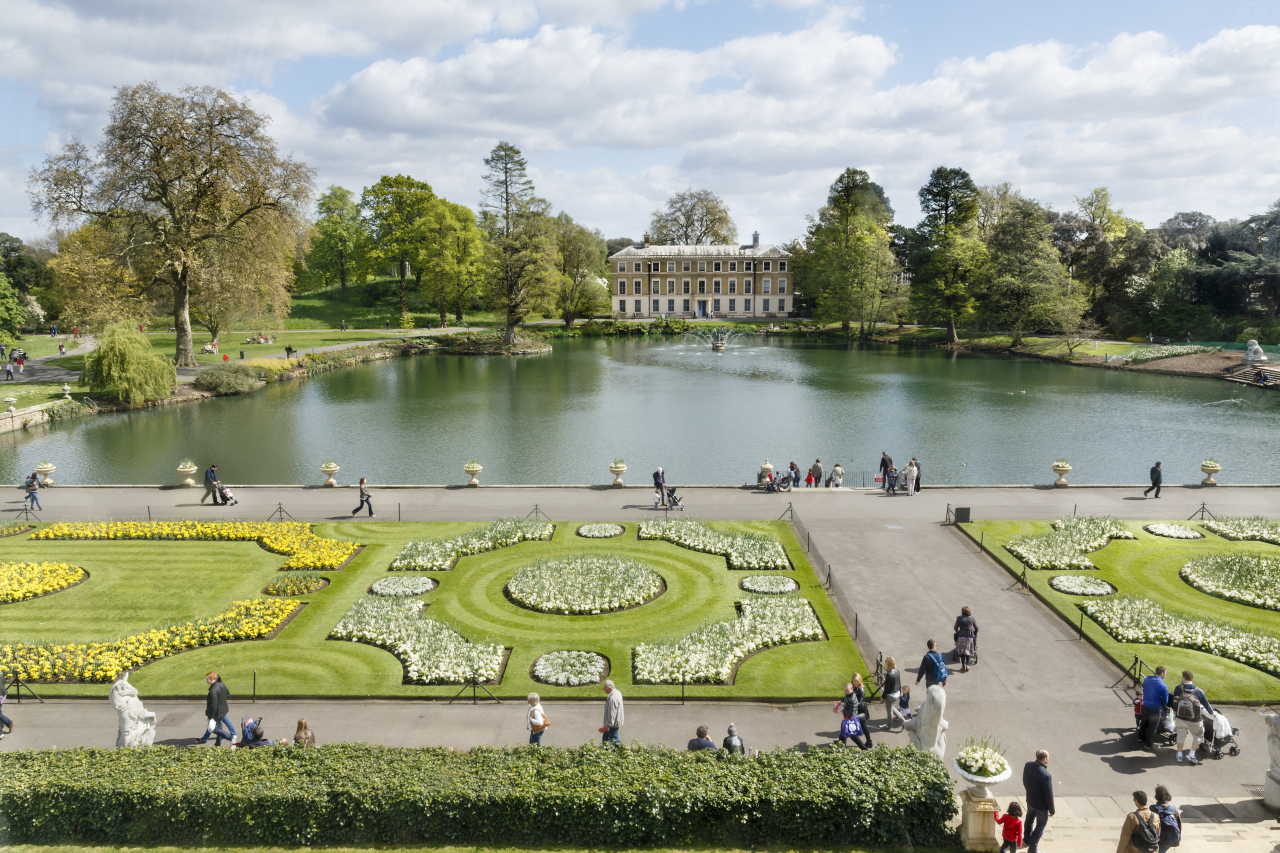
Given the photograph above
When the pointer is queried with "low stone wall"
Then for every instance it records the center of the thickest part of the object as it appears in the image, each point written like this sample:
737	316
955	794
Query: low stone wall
23	418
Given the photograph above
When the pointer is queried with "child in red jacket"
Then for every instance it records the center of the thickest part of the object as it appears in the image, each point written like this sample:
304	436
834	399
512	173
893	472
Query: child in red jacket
1012	828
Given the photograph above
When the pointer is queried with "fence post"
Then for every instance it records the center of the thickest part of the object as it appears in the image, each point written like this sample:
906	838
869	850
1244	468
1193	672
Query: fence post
148	512
255	687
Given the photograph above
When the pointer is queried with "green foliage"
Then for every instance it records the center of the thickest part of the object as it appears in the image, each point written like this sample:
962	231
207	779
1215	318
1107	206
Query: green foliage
12	314
66	410
125	367
227	379
340	242
592	795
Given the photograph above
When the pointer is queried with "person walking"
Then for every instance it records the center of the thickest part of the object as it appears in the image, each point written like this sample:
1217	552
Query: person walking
612	713
1155	698
536	720
852	708
344	325
1141	830
660	485
211	484
215	711
886	462
33	491
795	475
808	479
1011	822
1170	820
837	475
6	724
816	472
1189	707
919	481
909	477
932	669
966	630
8	370
1037	785
1157	476
732	743
891	690
364	499
701	741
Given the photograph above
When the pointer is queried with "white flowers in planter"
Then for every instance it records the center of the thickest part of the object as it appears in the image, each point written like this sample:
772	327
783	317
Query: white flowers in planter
769	584
600	531
569	669
584	583
403	587
709	654
743	550
1256	528
432	652
437	555
1064	547
1173	531
983	758
1078	585
1246	578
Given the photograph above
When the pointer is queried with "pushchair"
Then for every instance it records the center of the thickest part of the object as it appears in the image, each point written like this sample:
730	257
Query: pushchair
228	499
1219	736
674	502
1164	731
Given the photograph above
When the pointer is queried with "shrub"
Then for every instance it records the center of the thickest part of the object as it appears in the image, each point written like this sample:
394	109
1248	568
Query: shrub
227	379
125	367
592	796
65	410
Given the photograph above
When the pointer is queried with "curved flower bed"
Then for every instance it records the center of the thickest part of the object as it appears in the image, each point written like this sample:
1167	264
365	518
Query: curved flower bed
743	550
1077	585
295	584
709	654
570	669
403	587
438	555
600	531
1173	531
585	583
103	662
432	652
1244	578
1065	546
294	539
769	584
1139	620
19	581
1142	356
1255	528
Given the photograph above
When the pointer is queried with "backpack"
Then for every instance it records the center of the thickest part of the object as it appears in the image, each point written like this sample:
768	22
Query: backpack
1188	707
939	667
1170	826
1146	835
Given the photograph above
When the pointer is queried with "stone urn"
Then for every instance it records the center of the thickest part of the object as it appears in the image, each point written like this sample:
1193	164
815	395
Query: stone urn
617	470
11	402
186	471
46	469
1062	471
66	391
1209	471
978	830
328	471
473	470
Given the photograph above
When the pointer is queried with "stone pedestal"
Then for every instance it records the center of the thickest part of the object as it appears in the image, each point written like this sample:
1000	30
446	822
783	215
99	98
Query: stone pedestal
617	473
1271	793
978	830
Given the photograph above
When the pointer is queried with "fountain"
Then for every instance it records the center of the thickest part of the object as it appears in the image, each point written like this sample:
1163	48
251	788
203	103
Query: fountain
718	337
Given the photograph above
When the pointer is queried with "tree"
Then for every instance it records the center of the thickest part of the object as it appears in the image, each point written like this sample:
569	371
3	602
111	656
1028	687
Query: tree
341	241
246	281
693	218
25	266
994	204
179	175
124	367
91	284
1027	277
946	257
12	313
1096	207
950	198
453	257
396	211
581	289
617	244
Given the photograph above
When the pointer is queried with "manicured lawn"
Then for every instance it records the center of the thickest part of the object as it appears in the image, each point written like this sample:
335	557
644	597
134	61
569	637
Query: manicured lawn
35	393
1148	567
135	585
368	306
232	342
37	346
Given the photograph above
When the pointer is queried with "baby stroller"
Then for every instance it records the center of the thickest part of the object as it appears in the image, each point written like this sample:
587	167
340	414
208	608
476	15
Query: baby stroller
228	499
1218	735
1164	732
672	501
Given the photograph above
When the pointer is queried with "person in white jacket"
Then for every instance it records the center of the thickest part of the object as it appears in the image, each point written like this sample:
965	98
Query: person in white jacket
612	713
536	720
909	477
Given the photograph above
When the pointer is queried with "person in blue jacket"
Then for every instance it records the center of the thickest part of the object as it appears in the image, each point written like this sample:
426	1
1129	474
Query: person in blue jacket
1155	698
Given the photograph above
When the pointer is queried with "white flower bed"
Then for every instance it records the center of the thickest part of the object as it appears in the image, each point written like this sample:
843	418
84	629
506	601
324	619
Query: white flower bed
709	654
569	669
1077	585
1173	531
437	555
1065	546
1246	578
982	758
743	550
584	583
769	584
1255	528
600	531
1138	620
1140	356
403	587
432	652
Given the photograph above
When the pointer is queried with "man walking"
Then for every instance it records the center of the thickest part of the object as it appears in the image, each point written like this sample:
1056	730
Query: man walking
1155	698
1156	478
816	471
886	462
211	484
612	713
932	669
215	711
1189	707
1038	786
660	485
33	491
5	721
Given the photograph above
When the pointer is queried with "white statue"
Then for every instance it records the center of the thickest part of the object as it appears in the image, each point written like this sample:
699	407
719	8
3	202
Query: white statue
1273	745
1253	353
137	724
927	730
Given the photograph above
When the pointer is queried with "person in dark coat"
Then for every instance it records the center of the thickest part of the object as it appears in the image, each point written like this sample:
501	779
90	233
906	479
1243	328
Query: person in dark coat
886	462
215	711
966	630
701	741
930	664
5	721
1157	477
1155	698
211	485
918	475
660	485
1038	786
733	743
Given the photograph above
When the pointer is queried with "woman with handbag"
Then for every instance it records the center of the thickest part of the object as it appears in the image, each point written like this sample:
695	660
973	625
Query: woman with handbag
853	709
536	721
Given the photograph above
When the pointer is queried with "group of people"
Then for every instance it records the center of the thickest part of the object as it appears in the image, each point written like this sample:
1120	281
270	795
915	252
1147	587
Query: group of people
894	480
812	478
16	356
1186	704
252	732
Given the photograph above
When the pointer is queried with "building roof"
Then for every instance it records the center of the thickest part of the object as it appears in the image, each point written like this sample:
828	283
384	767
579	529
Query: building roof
718	251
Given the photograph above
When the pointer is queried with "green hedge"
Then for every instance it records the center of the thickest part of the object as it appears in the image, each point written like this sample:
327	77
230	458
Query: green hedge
227	379
360	794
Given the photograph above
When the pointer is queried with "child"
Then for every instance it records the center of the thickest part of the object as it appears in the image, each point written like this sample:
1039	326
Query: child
808	480
1012	828
657	498
904	702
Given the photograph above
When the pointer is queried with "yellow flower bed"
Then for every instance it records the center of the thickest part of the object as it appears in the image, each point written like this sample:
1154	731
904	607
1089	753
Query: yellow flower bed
294	539
27	580
53	662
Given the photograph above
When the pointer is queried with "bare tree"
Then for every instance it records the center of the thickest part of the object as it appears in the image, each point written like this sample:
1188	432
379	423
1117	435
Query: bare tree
693	218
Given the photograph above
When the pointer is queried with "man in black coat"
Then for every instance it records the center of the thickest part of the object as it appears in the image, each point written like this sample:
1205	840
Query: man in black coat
660	483
211	484
1038	785
886	462
1156	478
215	711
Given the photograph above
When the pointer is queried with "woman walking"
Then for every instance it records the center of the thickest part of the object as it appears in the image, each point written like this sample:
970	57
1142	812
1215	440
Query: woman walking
966	630
909	477
364	499
536	721
891	690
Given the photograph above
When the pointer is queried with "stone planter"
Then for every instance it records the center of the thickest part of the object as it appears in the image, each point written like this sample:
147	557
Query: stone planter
473	473
46	471
329	472
66	392
186	476
617	471
978	830
11	402
1062	471
1209	472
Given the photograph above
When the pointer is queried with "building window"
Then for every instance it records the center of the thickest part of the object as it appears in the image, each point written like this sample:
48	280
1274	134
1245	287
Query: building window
715	267
622	285
766	306
702	266
656	303
782	266
686	286
768	265
765	289
746	305
637	287
702	285
746	266
653	286
733	285
746	285
733	266
622	266
715	286
671	266
686	306
782	285
686	267
637	269
637	306
715	306
733	305
622	306
782	305
671	306
671	286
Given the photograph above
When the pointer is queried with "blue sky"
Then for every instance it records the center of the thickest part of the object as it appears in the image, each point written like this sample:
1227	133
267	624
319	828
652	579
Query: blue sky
618	103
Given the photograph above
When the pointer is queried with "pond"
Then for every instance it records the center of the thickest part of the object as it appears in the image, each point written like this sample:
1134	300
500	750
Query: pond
706	417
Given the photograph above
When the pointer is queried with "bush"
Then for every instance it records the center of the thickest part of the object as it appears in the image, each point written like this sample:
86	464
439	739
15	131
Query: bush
125	367
227	379
361	794
274	368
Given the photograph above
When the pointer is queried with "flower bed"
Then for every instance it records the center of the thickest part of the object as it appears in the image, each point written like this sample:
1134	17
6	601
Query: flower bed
570	669
403	587
585	583
438	555
1256	529
1244	578
293	539
982	758
295	584
1173	531
103	662
20	581
1141	356
1065	546
769	584
432	652
1139	620
600	531
743	550
1077	585
710	654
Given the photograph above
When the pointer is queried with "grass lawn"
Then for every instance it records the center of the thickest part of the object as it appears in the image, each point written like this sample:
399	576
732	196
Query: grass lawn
71	848
1148	567
35	393
38	346
368	306
135	585
232	342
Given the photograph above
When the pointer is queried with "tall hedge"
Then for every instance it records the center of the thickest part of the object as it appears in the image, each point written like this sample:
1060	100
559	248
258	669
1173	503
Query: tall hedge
359	794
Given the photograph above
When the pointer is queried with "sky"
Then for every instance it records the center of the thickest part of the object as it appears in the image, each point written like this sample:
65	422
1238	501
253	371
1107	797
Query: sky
617	104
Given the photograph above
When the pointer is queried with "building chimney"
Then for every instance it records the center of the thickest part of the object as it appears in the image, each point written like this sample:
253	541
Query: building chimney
755	239
644	244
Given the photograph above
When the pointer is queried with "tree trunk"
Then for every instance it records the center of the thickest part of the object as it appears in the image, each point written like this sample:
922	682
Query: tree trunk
569	317
511	331
404	262
844	327
342	276
1017	337
185	354
952	338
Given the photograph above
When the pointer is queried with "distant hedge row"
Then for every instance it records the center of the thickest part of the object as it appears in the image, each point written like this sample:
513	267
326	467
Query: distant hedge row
360	794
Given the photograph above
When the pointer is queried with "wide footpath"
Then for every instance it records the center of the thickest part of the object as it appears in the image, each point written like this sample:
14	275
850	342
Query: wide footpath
899	574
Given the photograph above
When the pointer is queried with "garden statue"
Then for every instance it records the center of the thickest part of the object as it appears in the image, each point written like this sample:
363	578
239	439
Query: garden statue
137	724
927	730
1271	793
1253	353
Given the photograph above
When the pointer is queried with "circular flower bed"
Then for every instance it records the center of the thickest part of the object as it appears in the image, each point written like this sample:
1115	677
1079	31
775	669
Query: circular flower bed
585	583
1080	585
403	587
20	581
769	584
295	584
1246	578
600	531
1173	531
570	669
